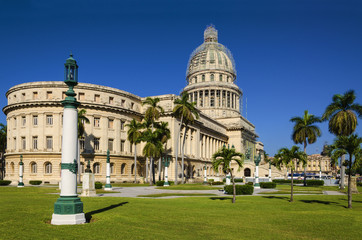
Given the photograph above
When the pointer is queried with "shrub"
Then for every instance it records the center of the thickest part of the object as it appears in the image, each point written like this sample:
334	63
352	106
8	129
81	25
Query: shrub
287	181
35	182
268	184
4	182
250	183
162	182
238	180
98	185
224	179
239	189
210	180
216	183
315	182
359	184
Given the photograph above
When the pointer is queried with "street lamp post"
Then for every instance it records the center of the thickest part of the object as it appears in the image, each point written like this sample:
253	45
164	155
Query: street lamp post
166	162
205	178
108	186
257	161
21	171
270	178
68	209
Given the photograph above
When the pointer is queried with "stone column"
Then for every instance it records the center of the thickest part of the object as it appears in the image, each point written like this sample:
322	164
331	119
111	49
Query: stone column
21	172
205	177
108	186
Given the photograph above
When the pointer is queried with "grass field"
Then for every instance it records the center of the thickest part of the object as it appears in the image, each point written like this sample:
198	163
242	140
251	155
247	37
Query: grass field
196	186
26	213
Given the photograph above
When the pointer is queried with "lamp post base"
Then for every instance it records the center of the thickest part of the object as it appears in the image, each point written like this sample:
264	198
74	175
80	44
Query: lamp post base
68	219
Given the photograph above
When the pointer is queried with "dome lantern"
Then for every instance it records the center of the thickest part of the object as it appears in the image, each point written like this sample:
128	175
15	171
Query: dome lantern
210	34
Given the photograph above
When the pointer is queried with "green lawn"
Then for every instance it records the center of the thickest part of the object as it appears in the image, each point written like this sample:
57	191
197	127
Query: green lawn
176	194
25	214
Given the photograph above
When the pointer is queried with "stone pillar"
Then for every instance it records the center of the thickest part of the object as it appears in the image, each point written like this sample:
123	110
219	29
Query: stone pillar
205	177
88	188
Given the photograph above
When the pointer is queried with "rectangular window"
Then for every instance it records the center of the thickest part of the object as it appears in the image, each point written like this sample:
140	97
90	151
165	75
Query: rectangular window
212	98
123	102
228	98
110	144
35	95
97	122
49	119
35	142
97	98
132	105
201	99
49	95
81	143
35	120
206	98
23	120
96	143
14	143
23	143
122	124
111	99
130	148
81	96
49	144
110	123
122	145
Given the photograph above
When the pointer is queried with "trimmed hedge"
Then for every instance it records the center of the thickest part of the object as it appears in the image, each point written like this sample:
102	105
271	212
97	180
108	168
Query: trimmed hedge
281	181
98	185
249	183
4	182
216	183
210	180
268	184
35	182
315	182
239	189
160	183
359	184
238	179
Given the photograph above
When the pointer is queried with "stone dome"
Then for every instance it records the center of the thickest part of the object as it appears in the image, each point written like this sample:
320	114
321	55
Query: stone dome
211	55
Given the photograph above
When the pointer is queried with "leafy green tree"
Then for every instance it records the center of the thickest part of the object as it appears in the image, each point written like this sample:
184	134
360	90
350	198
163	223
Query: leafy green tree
305	132
350	145
186	111
153	113
290	158
153	147
341	114
134	137
224	157
3	134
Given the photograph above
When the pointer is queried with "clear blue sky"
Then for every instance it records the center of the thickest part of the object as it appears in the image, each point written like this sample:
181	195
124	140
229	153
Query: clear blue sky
290	55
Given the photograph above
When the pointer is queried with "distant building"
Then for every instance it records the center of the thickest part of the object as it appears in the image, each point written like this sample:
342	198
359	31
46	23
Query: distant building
34	120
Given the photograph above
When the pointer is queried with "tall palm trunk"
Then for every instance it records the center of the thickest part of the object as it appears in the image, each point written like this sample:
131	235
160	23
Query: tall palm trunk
135	163
146	179
234	189
291	186
176	150
159	169
183	157
305	167
349	182
342	172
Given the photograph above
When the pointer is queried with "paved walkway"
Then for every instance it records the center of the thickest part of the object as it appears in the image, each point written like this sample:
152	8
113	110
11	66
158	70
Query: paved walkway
136	191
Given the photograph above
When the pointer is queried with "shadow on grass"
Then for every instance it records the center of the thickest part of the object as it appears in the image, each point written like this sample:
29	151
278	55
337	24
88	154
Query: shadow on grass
88	215
323	202
276	197
221	198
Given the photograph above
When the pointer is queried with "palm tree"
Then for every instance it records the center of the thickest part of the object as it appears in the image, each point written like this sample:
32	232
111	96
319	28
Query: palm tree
81	120
350	145
187	113
3	132
224	156
304	131
153	113
341	114
290	158
153	147
134	137
164	134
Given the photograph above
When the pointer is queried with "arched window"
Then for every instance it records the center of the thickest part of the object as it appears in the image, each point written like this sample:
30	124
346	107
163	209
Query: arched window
212	77
48	168
247	172
96	168
12	168
112	168
132	169
123	168
33	167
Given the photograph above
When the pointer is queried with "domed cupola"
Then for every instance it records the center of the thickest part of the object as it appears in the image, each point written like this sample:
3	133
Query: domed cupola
211	77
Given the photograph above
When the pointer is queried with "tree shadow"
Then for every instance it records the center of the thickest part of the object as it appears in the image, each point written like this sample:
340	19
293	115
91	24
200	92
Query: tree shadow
277	197
323	202
88	215
221	198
